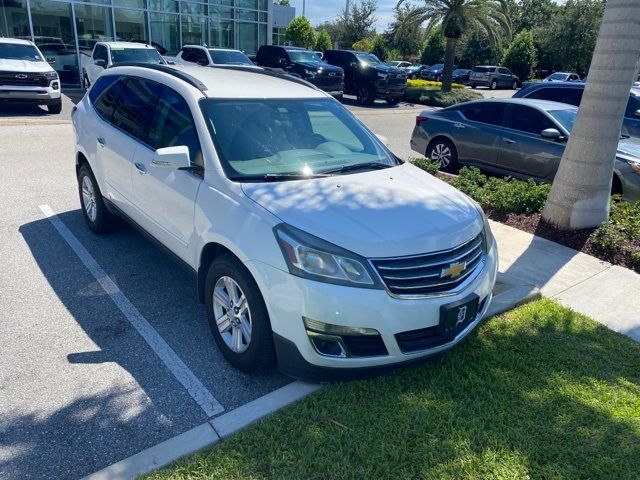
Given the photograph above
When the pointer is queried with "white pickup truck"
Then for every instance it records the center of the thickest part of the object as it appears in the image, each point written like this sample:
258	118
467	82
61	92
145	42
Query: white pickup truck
108	54
208	56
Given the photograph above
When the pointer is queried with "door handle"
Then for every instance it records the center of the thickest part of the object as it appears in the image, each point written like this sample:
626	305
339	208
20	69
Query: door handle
459	125
508	140
102	141
141	168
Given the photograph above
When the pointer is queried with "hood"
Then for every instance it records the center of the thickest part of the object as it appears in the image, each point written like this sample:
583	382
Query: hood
320	64
7	65
387	69
629	147
382	213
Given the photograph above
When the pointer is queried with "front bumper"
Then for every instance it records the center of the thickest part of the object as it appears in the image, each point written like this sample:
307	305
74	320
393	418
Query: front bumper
289	298
37	95
385	91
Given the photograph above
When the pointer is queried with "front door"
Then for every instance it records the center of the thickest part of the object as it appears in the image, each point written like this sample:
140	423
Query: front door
165	199
478	138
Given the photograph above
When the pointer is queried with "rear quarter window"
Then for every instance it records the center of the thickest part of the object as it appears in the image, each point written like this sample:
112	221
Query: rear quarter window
105	102
100	86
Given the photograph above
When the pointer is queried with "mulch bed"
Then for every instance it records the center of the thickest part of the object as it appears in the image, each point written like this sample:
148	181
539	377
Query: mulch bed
580	240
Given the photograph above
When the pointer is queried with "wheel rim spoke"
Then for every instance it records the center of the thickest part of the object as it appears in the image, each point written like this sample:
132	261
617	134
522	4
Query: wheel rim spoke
232	314
223	323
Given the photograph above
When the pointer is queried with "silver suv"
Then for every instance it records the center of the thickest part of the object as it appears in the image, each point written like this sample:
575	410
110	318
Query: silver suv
26	77
493	77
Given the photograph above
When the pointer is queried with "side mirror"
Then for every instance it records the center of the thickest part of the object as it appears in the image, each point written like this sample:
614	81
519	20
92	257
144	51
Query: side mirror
383	139
170	62
551	134
172	158
100	62
51	60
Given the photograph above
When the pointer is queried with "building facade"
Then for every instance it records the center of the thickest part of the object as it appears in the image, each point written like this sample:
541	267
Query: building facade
63	29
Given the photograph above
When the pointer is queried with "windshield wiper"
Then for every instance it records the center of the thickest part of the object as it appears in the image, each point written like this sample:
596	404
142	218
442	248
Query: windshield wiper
276	177
359	166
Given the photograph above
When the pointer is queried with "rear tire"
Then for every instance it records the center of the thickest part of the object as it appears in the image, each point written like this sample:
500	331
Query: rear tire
98	218
494	85
55	107
238	316
473	85
443	150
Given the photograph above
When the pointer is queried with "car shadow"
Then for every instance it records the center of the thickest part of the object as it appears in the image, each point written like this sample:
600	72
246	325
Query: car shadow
378	104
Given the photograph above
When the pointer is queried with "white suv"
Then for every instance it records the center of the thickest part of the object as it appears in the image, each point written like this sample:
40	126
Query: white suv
310	241
207	56
26	77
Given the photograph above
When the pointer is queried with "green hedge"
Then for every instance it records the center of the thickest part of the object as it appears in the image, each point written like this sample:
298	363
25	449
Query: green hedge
435	98
622	232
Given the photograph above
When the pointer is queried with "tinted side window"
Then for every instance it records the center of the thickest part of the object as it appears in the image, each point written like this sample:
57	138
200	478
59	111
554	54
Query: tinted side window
100	53
527	119
105	103
572	96
173	125
134	111
187	54
491	113
102	83
199	56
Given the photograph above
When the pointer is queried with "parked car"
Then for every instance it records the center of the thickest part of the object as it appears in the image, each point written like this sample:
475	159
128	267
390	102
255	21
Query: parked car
571	93
517	137
367	77
493	77
304	64
461	76
310	242
434	72
108	54
413	71
563	77
26	77
399	64
207	56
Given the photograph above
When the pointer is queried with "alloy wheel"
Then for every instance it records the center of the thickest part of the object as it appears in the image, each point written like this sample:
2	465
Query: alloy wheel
441	153
89	198
232	314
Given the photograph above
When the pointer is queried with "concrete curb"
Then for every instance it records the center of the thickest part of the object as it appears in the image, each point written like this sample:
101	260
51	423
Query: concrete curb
204	435
513	293
12	122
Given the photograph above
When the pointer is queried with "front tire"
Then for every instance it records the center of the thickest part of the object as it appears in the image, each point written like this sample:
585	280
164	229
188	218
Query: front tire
473	85
393	100
55	107
238	316
514	85
444	152
98	218
366	94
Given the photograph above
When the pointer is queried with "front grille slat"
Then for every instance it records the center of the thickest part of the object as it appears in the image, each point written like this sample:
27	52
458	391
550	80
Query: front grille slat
30	79
425	274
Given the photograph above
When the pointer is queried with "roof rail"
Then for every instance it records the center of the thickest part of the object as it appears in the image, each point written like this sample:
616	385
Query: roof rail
268	73
191	80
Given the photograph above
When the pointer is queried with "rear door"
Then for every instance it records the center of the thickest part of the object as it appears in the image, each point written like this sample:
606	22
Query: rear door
165	199
477	134
523	150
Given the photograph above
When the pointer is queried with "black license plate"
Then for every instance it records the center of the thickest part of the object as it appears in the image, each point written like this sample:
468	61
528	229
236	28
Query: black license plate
454	317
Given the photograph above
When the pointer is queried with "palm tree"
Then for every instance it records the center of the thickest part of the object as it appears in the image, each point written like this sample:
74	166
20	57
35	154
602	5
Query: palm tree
456	16
580	193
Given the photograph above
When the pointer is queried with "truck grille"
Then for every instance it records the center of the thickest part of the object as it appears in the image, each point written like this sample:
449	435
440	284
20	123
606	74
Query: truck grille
428	274
23	79
329	82
397	79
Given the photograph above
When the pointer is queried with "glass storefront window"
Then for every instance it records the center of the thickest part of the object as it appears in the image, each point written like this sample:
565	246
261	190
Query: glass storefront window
246	15
252	4
193	8
129	3
103	2
222	2
164	31
220	12
163	5
14	21
94	25
247	37
222	33
194	30
262	5
53	33
130	25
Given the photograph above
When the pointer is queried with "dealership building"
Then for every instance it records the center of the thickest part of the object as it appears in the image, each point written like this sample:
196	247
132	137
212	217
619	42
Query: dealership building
64	30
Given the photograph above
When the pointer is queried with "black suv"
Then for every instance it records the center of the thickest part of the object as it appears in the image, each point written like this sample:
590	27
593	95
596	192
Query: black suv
367	77
302	63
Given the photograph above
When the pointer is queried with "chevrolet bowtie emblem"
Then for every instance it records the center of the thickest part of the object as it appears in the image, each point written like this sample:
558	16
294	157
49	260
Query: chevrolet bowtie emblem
453	270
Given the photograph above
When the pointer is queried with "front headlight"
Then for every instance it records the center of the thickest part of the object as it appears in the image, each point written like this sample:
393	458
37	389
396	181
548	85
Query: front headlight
310	257
51	75
487	235
310	73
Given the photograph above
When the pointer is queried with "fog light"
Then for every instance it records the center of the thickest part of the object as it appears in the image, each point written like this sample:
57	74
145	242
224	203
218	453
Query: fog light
330	329
55	85
328	345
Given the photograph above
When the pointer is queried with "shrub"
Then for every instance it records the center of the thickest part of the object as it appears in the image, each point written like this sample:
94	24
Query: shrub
300	33
521	57
426	165
436	98
379	49
429	83
621	233
507	194
323	41
364	45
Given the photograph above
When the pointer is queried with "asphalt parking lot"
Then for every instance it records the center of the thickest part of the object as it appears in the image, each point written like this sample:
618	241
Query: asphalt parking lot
81	386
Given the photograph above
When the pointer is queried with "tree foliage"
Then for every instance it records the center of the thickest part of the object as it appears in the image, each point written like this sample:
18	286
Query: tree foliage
433	51
405	35
379	49
300	33
353	26
521	57
364	45
284	3
476	48
323	41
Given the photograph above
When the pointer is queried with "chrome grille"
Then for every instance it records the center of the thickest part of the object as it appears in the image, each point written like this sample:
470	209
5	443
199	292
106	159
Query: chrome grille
426	274
27	79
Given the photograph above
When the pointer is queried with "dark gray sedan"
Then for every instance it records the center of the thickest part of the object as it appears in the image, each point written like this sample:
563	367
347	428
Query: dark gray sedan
518	137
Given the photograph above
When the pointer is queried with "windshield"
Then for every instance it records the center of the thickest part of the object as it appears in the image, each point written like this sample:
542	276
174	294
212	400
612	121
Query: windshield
368	58
566	118
303	56
260	137
12	51
137	55
229	57
558	76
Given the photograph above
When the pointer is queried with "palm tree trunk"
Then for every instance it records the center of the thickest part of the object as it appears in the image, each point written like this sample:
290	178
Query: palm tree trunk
581	190
449	59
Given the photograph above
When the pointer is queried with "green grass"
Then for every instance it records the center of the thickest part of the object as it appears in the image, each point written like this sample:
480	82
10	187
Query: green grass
541	392
433	97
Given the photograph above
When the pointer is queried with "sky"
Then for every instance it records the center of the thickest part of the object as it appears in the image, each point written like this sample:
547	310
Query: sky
319	11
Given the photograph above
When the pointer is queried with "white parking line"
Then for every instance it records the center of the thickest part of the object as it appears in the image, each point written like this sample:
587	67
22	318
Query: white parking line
183	374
